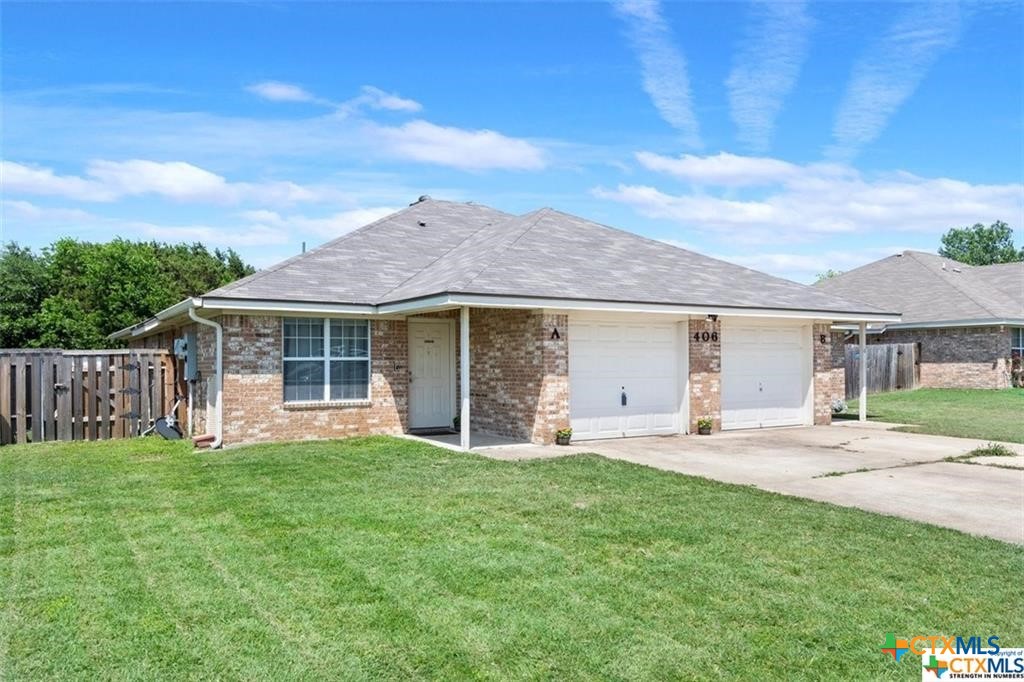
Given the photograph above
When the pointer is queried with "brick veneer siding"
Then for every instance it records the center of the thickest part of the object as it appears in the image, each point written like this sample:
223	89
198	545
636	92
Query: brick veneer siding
705	374
519	375
824	384
254	407
957	357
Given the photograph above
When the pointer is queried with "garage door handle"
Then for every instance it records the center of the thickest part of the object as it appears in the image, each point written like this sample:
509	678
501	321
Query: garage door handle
624	399
760	387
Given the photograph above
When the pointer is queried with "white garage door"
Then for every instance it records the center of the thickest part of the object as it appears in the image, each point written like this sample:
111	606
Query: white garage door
609	358
765	375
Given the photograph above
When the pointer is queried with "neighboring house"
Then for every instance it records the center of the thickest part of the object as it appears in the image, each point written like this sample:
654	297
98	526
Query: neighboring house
968	320
567	321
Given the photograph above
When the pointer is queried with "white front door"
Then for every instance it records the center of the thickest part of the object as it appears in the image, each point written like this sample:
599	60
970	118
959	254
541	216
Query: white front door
623	377
765	375
431	374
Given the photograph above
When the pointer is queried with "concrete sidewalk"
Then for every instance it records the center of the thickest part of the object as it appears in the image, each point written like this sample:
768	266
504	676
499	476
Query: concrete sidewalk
849	464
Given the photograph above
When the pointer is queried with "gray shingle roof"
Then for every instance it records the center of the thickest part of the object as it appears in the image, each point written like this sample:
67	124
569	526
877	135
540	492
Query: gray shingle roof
929	288
437	247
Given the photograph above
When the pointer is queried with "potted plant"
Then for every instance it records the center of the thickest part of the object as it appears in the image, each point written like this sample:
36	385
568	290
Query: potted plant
704	425
563	436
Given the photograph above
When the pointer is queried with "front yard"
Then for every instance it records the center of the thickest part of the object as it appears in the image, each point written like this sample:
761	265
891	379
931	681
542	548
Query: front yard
967	413
385	558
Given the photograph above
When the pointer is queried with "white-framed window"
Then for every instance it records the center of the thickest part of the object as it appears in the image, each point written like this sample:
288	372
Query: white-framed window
326	359
1017	342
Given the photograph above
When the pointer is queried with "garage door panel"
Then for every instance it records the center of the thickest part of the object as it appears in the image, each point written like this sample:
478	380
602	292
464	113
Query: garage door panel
763	375
606	357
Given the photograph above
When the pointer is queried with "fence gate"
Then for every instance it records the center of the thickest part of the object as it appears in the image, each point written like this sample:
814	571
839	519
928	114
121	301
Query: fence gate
890	366
82	395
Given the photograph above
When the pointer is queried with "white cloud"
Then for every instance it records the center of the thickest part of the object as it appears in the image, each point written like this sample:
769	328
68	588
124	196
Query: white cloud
725	169
24	211
107	181
891	70
70	132
459	148
766	68
665	77
330	226
276	91
376	98
211	235
814	200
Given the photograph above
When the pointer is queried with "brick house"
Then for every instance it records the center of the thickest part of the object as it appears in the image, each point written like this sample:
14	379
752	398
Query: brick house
519	325
968	321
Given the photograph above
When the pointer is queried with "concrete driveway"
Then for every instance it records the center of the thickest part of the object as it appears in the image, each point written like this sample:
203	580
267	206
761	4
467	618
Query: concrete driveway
849	464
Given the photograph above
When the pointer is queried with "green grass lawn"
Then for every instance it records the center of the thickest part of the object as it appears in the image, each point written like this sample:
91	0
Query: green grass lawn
385	558
968	413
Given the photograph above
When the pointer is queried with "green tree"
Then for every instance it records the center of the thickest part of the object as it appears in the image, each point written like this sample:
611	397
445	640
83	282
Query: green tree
23	287
980	245
76	293
828	274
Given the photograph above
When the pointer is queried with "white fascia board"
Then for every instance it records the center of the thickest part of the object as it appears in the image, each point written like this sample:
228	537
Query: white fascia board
995	322
958	323
228	305
483	301
146	326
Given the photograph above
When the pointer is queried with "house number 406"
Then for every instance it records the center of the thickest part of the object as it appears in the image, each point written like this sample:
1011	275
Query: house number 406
705	336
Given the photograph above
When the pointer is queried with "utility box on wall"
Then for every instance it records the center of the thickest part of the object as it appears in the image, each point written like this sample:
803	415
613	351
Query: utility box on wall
185	347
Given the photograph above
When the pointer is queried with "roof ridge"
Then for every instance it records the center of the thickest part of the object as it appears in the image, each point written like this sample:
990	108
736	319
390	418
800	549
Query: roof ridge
288	261
384	296
540	213
960	285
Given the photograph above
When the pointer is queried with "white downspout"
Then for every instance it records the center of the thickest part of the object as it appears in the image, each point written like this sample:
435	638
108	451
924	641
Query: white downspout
219	370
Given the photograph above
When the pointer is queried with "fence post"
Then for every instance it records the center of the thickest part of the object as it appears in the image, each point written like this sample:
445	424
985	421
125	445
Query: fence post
5	399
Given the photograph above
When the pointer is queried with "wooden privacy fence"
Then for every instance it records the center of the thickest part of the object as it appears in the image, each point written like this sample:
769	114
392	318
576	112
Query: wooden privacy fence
82	395
891	367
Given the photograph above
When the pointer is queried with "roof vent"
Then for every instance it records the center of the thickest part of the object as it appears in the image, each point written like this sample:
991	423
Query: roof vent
943	265
422	223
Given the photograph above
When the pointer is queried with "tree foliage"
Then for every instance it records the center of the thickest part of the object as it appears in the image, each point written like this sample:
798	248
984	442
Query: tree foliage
73	294
981	245
828	274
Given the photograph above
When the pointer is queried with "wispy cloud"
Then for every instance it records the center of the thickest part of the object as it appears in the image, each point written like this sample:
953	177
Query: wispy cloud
329	226
369	96
806	202
276	91
665	77
890	71
766	68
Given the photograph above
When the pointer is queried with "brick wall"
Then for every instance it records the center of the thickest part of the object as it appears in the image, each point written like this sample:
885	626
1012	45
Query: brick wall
823	387
254	407
957	357
519	375
705	374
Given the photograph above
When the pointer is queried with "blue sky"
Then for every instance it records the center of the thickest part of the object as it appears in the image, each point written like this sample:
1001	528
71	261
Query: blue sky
789	137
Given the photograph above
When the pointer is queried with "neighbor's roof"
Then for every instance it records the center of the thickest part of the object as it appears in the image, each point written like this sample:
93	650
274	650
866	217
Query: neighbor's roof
930	289
439	247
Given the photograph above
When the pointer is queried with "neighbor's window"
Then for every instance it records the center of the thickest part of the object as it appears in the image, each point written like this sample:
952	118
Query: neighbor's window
1017	342
326	359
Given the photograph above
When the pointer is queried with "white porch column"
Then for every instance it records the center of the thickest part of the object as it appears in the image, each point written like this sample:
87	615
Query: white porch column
464	379
863	398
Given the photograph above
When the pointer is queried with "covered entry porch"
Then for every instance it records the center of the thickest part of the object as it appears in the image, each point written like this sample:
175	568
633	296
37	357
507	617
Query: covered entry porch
487	376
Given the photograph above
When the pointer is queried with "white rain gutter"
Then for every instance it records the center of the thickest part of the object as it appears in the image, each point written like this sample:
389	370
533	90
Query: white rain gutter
219	365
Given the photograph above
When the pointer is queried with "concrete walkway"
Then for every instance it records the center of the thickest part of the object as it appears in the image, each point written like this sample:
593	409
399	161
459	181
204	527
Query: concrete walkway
849	464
